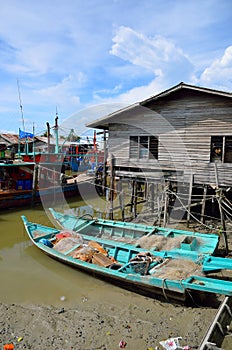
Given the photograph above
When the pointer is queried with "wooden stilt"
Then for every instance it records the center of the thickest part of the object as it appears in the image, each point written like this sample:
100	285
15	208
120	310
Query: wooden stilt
152	205
190	199
166	202
160	206
111	215
135	199
104	182
219	198
132	195
145	190
121	199
203	203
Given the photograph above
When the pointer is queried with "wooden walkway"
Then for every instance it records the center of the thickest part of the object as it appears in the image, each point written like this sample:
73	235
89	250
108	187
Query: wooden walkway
220	331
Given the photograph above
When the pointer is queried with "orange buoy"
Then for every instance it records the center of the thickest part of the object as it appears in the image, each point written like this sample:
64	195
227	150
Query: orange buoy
8	346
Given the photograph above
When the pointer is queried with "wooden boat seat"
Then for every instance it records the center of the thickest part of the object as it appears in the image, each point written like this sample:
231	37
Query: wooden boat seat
72	249
84	225
97	247
45	235
101	260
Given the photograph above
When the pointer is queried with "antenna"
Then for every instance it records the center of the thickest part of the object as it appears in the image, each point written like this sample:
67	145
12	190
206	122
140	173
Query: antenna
20	105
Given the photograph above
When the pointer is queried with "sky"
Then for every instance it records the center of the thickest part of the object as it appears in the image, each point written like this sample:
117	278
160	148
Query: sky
81	60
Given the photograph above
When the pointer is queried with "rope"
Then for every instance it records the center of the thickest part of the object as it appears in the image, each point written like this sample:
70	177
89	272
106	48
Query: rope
186	209
163	282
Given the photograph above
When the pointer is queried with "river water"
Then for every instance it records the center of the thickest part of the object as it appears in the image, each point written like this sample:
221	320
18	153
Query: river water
28	276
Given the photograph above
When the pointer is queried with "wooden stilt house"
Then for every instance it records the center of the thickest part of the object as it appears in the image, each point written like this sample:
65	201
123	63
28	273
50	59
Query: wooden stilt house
181	136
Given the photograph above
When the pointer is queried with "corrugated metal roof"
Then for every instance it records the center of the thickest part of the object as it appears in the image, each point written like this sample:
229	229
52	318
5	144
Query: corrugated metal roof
102	123
11	138
44	139
14	139
188	87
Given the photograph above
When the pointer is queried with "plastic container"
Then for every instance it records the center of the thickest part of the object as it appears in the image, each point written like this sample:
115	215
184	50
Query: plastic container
19	185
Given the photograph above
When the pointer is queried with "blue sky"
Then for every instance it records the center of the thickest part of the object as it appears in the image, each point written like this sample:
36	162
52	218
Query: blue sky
74	55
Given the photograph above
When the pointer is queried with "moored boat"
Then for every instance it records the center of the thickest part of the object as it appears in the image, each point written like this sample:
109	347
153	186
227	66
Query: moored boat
16	186
27	177
149	237
173	275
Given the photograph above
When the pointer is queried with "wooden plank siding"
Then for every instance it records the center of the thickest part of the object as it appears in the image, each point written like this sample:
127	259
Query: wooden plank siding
184	122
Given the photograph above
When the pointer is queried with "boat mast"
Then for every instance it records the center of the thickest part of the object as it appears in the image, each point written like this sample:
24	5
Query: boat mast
21	109
56	134
20	105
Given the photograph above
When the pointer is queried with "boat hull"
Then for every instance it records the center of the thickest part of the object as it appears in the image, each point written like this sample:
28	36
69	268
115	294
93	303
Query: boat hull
20	198
135	233
128	266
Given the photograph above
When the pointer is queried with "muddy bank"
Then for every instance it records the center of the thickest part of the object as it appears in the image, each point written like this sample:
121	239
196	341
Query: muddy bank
95	315
91	326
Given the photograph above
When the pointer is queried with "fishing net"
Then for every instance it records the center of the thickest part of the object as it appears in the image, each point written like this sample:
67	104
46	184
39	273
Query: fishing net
159	242
67	243
84	253
177	269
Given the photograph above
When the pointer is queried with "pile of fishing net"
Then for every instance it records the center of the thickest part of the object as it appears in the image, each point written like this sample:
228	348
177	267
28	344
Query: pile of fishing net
159	242
65	242
178	269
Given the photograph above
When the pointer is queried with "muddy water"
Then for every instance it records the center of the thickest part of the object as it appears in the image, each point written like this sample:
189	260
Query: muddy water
27	276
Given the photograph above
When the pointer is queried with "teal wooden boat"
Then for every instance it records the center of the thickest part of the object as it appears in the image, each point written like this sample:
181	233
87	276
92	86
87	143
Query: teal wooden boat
173	275
154	237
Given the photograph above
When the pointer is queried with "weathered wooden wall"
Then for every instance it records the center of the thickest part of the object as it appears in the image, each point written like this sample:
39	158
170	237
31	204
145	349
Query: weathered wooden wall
184	123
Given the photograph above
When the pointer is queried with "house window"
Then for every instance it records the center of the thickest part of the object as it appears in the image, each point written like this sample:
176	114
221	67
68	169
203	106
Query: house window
221	149
143	147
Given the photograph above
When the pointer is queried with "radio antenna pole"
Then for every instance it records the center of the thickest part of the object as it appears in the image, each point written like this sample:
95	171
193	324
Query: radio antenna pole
20	105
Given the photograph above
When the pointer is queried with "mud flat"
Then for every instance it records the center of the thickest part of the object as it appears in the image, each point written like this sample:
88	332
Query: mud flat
142	324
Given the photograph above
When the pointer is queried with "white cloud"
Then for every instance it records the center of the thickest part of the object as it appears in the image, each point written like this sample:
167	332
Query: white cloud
66	85
150	53
168	63
64	53
219	73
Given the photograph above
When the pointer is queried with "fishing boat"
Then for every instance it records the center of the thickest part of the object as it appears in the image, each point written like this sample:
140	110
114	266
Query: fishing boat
18	187
172	275
16	181
146	236
25	182
26	177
